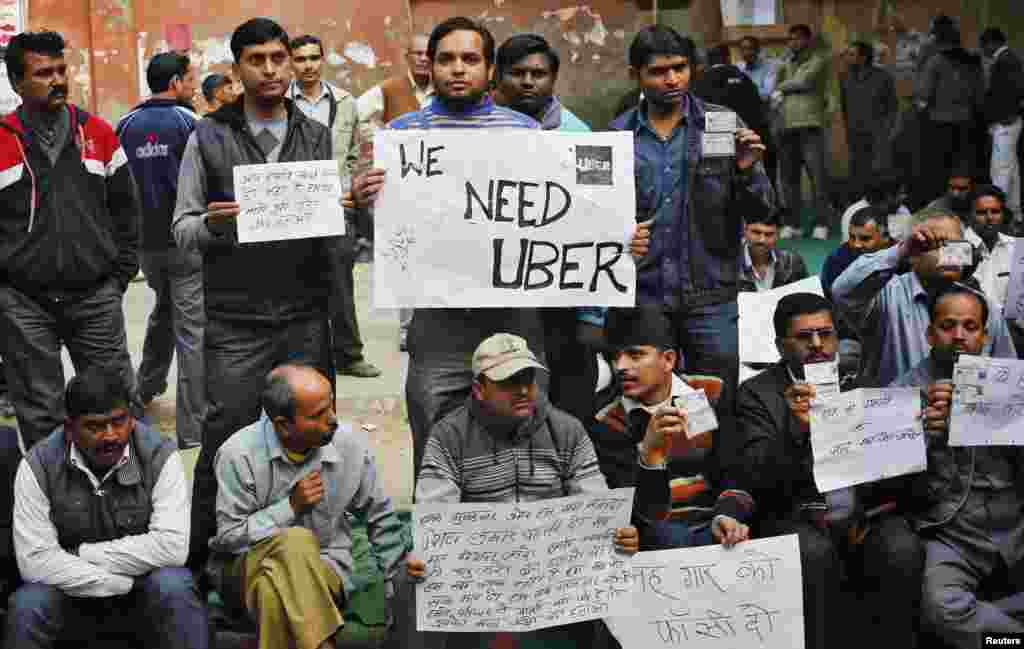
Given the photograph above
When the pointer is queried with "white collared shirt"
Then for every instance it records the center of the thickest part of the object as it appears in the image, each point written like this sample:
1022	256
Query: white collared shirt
679	388
371	105
993	273
318	109
108	568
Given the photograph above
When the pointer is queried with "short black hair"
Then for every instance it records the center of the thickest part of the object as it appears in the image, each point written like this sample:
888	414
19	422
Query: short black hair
993	35
306	39
981	191
945	30
163	68
659	40
257	31
719	55
638	326
795	305
753	40
866	49
96	391
865	215
956	288
802	29
520	46
46	43
460	24
212	83
764	217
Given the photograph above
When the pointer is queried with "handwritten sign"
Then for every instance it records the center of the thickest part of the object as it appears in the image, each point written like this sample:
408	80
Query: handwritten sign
988	402
504	218
289	200
747	596
756	330
520	567
1014	309
866	435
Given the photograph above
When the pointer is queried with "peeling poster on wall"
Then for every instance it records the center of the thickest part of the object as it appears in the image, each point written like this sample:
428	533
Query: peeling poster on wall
12	20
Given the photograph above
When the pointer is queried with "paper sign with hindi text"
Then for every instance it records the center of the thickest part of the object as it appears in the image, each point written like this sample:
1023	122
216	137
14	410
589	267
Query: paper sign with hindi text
756	330
750	595
504	218
520	567
866	435
289	200
988	402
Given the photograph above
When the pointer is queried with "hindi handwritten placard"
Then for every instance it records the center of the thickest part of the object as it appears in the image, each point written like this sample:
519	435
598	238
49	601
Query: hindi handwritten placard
545	223
519	567
988	402
750	595
756	309
289	200
866	435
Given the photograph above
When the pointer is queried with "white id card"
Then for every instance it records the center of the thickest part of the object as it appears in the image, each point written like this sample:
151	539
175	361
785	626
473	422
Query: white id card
720	122
718	145
956	253
700	416
824	377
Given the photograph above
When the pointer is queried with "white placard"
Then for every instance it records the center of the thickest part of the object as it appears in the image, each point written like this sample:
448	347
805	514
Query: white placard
519	567
289	200
756	329
867	435
504	218
988	402
1014	308
748	596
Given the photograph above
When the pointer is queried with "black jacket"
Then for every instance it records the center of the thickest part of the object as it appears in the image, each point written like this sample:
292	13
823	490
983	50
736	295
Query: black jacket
261	282
727	85
69	227
1005	88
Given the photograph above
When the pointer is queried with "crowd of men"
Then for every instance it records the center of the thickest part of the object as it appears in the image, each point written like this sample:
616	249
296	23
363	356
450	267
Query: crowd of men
505	405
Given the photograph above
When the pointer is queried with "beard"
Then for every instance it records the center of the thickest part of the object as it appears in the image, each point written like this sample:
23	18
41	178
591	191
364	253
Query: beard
530	105
462	104
989	234
959	203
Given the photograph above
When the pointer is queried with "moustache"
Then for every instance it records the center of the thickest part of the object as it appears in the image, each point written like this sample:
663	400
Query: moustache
59	91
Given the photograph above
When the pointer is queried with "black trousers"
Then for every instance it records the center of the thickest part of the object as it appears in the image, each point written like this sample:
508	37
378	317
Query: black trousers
346	343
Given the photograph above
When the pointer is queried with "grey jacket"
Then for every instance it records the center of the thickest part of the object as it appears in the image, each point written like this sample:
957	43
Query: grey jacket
868	98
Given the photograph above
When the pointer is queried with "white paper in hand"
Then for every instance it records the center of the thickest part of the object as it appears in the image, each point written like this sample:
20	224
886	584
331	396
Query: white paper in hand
958	254
824	377
700	416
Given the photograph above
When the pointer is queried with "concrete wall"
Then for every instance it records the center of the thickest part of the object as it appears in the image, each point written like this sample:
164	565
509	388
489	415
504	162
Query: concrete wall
111	39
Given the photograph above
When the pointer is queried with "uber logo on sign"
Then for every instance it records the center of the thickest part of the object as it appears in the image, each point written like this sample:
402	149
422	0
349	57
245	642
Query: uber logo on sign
593	165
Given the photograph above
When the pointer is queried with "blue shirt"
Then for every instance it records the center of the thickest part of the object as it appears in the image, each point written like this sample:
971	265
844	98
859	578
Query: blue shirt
763	74
667	160
484	115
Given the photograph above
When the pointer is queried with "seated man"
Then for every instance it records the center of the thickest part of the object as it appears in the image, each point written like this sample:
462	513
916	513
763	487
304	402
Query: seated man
957	198
890	311
762	265
101	517
507	445
641	342
284	487
972	521
775	464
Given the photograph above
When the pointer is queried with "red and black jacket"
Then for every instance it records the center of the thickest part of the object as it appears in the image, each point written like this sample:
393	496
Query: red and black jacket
66	228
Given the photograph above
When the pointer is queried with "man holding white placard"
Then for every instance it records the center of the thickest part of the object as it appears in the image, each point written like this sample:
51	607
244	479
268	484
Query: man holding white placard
776	466
266	303
972	522
441	341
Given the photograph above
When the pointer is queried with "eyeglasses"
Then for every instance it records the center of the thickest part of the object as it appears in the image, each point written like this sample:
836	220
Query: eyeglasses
807	335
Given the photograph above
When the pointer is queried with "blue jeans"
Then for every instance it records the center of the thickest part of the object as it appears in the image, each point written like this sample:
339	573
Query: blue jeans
163	605
667	535
708	340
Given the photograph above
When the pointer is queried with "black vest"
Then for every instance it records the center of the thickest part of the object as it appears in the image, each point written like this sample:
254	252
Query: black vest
123	505
261	282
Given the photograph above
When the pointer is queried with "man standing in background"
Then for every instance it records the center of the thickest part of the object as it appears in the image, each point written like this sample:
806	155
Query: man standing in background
401	94
868	97
1002	106
217	91
336	109
153	137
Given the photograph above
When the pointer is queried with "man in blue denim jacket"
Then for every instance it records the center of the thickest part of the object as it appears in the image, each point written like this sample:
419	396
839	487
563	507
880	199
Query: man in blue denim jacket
698	175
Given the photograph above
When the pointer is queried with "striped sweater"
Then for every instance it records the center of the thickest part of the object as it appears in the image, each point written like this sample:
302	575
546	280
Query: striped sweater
484	115
467	459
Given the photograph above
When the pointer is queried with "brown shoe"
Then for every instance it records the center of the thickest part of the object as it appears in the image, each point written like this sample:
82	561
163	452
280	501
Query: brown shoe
361	369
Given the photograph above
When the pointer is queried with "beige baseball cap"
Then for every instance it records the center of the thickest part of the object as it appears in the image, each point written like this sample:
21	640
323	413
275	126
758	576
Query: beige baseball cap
502	355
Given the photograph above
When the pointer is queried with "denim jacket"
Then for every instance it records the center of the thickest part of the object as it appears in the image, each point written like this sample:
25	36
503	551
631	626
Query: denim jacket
697	229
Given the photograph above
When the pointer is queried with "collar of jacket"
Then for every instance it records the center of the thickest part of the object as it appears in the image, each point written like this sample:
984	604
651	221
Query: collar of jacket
499	427
632	119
